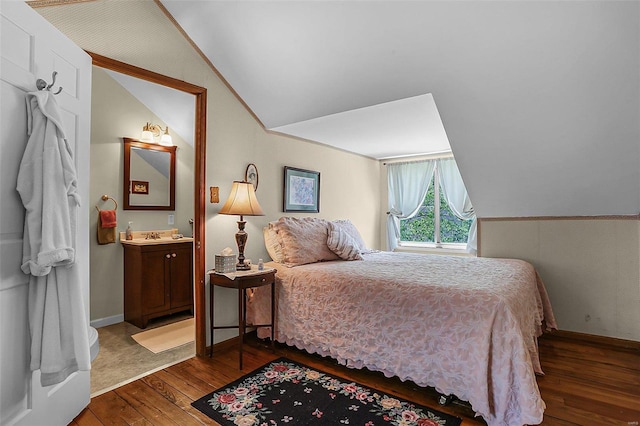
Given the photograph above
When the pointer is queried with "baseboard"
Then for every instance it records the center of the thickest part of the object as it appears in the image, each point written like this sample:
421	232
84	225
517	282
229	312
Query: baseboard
224	345
103	322
230	343
614	342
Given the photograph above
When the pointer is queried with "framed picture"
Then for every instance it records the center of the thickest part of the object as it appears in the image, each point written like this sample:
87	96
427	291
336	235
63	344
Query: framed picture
301	190
139	187
251	175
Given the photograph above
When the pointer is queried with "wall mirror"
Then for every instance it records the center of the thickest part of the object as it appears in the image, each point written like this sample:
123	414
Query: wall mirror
149	176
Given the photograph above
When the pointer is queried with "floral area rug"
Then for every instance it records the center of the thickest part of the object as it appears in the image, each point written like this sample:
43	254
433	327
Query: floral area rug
284	392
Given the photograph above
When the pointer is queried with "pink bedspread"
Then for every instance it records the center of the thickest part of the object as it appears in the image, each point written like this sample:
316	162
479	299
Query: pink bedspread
465	326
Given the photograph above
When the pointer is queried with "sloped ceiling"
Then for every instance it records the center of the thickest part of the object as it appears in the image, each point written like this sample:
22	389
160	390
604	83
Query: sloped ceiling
348	74
540	99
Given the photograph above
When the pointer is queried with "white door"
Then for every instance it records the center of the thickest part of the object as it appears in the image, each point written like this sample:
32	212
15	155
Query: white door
32	48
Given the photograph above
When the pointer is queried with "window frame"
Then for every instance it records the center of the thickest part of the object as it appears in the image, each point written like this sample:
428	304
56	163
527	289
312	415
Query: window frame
437	245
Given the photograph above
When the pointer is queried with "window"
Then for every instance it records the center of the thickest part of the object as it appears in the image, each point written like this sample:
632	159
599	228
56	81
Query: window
435	224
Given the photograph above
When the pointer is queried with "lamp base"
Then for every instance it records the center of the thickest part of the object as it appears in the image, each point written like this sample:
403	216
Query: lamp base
242	267
241	240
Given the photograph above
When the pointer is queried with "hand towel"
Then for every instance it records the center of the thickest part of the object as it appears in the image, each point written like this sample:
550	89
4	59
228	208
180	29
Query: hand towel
108	218
106	235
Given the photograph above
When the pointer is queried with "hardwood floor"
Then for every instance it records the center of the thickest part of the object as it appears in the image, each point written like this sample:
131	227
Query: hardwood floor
588	381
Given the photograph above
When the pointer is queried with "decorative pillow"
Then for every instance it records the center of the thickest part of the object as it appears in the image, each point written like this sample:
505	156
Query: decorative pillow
348	227
342	244
303	240
272	244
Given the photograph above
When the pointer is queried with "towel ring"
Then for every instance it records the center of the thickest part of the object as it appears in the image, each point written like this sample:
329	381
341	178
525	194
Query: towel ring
105	198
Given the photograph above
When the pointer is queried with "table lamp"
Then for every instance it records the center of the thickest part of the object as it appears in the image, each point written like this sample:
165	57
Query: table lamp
242	201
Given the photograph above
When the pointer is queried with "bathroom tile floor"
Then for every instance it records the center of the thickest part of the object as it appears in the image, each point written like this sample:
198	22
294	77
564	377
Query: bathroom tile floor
122	360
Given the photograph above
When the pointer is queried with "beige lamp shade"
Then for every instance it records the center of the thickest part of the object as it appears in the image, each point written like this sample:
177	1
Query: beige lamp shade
242	201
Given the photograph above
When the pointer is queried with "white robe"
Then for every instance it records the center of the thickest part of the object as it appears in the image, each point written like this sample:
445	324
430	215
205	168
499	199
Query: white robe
47	185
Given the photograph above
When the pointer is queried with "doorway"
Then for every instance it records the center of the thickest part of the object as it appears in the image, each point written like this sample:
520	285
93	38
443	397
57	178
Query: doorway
198	199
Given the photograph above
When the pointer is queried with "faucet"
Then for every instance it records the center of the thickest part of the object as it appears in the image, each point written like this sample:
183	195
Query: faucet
152	236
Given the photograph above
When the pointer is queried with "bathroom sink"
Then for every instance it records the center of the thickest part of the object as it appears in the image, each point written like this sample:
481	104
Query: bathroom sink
143	238
161	240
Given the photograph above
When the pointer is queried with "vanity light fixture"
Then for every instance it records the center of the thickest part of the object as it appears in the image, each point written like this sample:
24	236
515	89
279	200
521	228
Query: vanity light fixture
147	134
152	131
243	202
166	140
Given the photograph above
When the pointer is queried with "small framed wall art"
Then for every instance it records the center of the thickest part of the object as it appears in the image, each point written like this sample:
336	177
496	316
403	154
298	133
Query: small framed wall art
251	176
301	190
139	187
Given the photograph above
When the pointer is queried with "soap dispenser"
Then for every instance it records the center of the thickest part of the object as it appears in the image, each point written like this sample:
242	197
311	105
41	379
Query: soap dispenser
129	232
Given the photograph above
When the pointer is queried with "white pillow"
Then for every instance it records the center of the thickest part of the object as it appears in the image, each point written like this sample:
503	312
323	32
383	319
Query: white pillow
347	226
342	244
303	240
272	244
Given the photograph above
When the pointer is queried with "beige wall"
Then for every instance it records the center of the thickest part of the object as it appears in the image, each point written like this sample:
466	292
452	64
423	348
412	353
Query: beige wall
591	268
349	188
115	113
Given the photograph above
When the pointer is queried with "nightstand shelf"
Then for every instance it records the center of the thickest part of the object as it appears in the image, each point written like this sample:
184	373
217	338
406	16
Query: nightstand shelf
241	281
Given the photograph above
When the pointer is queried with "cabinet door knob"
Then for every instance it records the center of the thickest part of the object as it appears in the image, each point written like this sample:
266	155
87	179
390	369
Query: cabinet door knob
167	255
173	255
264	279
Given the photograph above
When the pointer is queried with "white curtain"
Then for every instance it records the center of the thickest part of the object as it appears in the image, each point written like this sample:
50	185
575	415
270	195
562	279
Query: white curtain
408	185
455	193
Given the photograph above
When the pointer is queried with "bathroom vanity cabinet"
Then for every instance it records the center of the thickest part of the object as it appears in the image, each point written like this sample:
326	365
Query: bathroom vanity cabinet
158	280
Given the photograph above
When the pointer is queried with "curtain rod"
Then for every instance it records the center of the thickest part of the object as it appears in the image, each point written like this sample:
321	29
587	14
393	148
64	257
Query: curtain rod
434	157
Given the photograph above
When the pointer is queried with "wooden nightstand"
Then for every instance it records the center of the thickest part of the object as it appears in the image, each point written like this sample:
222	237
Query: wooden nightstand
241	281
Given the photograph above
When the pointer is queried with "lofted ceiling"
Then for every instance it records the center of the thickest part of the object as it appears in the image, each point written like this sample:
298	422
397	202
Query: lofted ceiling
329	71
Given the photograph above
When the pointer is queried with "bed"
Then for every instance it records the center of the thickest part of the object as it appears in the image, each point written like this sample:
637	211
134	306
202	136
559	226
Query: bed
465	326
